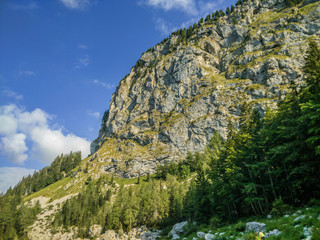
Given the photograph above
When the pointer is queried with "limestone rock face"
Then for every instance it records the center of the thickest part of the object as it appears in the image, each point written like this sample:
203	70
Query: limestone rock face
180	93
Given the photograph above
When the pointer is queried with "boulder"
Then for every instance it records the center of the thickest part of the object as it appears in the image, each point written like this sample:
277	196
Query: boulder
272	233
177	229
255	227
95	230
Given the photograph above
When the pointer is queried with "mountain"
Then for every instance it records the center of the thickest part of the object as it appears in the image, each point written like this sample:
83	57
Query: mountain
195	82
185	135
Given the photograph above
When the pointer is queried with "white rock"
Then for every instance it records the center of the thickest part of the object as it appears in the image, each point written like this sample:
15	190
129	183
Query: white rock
272	233
200	234
299	218
176	229
307	232
255	227
209	236
95	230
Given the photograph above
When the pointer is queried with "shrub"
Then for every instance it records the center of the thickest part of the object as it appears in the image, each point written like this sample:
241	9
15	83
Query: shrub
189	229
279	207
240	227
251	236
215	222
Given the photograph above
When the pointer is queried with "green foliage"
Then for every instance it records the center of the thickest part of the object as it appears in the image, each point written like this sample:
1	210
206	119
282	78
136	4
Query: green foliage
61	167
251	236
181	169
292	3
279	208
147	203
240	227
15	219
267	164
228	11
83	209
316	231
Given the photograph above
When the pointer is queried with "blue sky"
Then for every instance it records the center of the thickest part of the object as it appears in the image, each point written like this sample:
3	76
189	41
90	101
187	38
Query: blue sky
60	62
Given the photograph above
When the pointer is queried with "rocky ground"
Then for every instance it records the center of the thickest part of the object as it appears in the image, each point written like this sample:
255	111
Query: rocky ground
294	225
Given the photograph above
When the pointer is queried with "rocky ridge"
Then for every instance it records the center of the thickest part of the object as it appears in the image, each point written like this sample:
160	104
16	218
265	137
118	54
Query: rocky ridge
182	91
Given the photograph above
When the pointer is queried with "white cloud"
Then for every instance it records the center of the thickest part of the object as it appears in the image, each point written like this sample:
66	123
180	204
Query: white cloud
27	73
14	147
82	46
195	8
83	62
12	94
103	84
164	27
10	176
76	4
17	127
94	114
188	6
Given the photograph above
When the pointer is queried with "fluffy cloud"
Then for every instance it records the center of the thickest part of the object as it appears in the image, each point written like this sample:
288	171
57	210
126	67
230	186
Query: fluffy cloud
10	176
195	8
103	84
188	6
76	4
14	147
164	27
19	127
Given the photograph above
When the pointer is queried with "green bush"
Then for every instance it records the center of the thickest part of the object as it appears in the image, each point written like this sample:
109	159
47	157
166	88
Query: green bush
279	207
316	231
251	236
240	227
166	231
189	229
215	222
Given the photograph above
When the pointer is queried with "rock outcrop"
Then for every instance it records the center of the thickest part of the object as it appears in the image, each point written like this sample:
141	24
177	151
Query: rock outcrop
182	91
255	227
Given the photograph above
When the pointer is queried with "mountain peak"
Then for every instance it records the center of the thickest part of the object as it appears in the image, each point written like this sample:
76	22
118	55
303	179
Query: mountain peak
194	83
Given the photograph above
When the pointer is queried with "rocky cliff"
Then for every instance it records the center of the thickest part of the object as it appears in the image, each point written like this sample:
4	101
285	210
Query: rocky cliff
184	89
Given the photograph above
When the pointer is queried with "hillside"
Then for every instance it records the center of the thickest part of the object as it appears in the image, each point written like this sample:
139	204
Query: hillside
195	82
215	124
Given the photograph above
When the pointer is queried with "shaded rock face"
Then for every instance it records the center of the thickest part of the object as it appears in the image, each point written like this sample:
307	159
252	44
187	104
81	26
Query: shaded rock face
179	94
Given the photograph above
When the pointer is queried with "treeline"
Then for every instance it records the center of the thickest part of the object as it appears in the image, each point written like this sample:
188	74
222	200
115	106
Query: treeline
15	216
59	168
269	162
149	203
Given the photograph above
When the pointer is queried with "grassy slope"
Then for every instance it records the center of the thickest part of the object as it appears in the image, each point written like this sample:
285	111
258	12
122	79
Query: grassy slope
291	226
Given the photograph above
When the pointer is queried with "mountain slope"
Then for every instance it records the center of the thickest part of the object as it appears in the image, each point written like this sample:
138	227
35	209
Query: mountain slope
195	82
178	95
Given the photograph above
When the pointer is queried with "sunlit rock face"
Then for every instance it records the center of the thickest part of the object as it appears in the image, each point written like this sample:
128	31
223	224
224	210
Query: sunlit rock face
182	91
